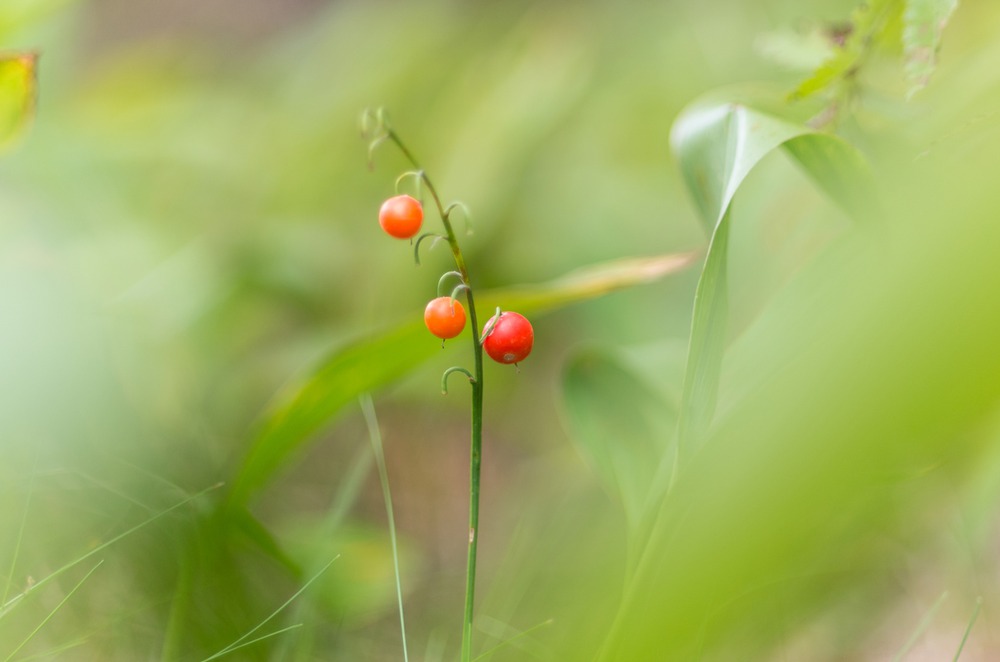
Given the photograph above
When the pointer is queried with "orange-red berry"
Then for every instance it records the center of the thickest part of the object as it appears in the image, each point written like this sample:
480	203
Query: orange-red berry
444	317
510	339
401	216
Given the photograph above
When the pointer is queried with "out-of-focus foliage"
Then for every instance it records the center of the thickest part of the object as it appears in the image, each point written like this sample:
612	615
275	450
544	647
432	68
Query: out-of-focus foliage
924	22
361	367
913	26
865	31
15	15
623	426
189	236
17	94
718	145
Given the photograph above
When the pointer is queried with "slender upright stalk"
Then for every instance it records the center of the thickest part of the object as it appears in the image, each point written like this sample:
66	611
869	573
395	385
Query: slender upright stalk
477	402
371	421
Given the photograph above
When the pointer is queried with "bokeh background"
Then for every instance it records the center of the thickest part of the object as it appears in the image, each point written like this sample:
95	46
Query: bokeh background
190	226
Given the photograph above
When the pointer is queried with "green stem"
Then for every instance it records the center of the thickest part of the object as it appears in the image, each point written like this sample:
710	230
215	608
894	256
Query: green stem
477	403
474	471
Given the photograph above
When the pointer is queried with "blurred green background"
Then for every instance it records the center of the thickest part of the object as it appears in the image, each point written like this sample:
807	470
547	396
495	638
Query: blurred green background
189	227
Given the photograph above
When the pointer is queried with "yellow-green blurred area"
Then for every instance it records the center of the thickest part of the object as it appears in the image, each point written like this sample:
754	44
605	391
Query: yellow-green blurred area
188	233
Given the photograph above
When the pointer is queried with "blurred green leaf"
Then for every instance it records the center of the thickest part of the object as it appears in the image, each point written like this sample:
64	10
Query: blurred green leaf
257	533
718	144
799	51
709	324
17	94
868	22
302	409
359	587
923	23
586	283
33	588
868	368
621	426
17	14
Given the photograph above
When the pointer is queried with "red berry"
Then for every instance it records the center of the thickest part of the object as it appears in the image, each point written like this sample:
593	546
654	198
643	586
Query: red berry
444	317
401	216
510	339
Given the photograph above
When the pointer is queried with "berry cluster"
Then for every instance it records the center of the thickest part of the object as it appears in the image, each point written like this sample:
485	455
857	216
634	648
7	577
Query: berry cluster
507	337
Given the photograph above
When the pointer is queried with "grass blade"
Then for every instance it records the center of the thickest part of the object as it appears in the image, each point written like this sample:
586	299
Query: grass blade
232	648
20	535
512	640
8	605
52	613
968	628
368	409
239	643
56	651
925	623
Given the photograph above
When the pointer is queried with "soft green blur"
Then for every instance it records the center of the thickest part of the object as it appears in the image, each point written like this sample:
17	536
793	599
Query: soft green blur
188	230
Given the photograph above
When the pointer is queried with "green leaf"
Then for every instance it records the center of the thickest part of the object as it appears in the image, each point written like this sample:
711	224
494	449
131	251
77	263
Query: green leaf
870	390
718	144
303	408
620	424
17	94
707	343
923	23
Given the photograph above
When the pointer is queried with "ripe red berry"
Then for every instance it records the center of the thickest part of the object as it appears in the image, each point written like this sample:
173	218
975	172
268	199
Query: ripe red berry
444	317
401	216
510	339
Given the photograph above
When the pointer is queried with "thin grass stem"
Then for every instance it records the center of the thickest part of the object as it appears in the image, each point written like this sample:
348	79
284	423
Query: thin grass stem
506	642
9	604
968	628
239	643
20	534
76	643
52	613
925	623
269	635
371	421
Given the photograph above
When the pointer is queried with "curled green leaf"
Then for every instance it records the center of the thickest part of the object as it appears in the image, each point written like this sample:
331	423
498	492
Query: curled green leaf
718	144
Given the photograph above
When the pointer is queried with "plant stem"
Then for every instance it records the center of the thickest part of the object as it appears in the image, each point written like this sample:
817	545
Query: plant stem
474	471
477	403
